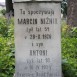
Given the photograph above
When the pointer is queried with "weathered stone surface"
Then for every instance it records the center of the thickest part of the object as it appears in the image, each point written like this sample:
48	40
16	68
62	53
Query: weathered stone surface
37	39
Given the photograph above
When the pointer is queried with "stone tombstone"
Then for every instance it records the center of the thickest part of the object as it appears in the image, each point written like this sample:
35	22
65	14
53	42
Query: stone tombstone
37	38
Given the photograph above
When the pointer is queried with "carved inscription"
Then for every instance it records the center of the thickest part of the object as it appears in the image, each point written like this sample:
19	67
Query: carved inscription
37	40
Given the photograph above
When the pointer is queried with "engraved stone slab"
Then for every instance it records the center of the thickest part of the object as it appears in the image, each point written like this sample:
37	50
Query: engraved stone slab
37	39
